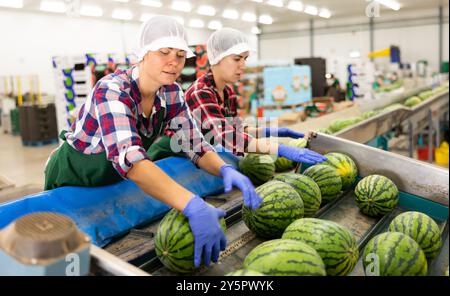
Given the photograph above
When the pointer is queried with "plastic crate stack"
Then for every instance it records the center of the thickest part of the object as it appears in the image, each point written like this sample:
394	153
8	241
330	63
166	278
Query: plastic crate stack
38	125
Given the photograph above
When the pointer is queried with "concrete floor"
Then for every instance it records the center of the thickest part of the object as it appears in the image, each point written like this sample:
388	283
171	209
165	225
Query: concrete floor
21	164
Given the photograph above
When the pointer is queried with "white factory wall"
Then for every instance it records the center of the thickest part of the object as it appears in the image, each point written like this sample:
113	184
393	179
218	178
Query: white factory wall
29	40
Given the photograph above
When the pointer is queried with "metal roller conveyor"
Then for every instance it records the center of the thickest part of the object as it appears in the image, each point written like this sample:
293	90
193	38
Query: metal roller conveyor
422	187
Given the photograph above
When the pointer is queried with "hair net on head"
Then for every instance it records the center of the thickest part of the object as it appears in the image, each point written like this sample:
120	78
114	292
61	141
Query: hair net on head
162	31
225	42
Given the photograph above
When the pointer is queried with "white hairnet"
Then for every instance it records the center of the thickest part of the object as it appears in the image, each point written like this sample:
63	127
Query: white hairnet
162	31
225	42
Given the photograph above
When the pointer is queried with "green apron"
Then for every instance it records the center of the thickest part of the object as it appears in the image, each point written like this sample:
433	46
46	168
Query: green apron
161	149
70	167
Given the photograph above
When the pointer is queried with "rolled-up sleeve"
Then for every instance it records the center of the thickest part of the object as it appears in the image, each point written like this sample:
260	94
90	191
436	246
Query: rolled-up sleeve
186	136
121	140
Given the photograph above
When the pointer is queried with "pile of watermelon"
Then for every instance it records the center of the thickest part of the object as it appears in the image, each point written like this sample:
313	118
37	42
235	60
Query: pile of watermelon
258	167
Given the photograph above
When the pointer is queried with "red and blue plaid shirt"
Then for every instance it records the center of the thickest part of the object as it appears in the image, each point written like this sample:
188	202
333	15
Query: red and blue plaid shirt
111	120
217	119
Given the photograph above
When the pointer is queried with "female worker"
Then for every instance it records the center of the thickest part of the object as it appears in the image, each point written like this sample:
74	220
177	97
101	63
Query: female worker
214	107
125	113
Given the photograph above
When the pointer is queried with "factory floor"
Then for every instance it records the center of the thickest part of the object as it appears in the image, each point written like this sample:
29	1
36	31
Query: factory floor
24	166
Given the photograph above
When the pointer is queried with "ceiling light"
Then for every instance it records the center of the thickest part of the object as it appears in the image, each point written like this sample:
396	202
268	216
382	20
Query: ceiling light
11	3
89	10
295	5
206	10
325	13
249	17
230	14
53	6
196	23
152	3
181	6
256	30
312	10
276	3
122	14
215	25
146	16
265	19
390	3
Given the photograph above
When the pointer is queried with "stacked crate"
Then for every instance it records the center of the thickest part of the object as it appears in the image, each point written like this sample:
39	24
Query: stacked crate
38	124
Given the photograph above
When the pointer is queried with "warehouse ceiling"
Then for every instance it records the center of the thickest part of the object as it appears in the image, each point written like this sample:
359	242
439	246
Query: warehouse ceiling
337	9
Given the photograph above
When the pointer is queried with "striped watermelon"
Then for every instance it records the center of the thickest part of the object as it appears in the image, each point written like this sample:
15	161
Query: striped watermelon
327	178
345	167
280	206
283	164
259	168
244	272
420	228
376	195
306	188
174	242
285	257
299	143
394	254
335	244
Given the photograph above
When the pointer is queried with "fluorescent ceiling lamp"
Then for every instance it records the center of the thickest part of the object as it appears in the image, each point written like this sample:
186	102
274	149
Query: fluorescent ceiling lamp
230	14
355	54
206	10
249	17
146	16
179	19
196	23
11	3
295	5
90	10
265	19
215	25
181	6
325	13
256	30
276	3
390	3
53	6
152	3
122	14
312	10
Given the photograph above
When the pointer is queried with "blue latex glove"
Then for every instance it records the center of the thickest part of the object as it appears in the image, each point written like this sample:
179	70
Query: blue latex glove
282	133
232	177
300	154
208	235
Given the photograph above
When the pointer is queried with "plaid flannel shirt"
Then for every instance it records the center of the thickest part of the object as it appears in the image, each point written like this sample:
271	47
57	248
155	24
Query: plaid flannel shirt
111	120
218	119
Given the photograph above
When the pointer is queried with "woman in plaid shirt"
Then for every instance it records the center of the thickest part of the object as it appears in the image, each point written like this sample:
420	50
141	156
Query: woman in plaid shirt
120	120
214	107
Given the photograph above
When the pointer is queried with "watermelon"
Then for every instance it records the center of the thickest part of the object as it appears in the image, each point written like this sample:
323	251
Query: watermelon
376	195
340	124
306	188
325	131
285	257
412	101
369	114
259	168
345	166
335	244
421	228
299	143
394	254
283	164
328	179
174	242
392	107
280	206
244	272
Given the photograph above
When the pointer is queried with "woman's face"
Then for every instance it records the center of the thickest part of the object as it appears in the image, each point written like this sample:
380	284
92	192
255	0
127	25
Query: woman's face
164	65
232	67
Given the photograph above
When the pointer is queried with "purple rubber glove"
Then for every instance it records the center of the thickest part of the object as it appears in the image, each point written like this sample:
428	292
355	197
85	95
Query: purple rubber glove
205	226
300	154
232	177
282	133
